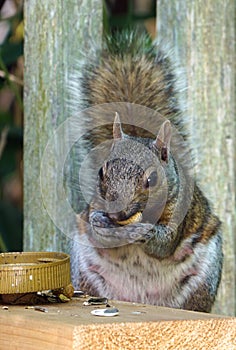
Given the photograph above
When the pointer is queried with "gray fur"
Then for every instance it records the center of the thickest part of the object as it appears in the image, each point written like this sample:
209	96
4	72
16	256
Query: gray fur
172	255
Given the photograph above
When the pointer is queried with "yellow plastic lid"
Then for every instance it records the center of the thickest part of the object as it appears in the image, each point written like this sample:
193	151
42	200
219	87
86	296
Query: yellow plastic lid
25	272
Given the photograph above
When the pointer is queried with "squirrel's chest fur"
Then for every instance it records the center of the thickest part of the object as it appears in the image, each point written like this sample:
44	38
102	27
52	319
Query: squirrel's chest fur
128	274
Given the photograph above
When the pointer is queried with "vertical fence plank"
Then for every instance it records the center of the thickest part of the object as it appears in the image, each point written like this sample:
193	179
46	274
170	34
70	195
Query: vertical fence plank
56	32
203	37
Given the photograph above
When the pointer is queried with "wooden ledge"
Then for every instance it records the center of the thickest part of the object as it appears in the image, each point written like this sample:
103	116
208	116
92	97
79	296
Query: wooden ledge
71	326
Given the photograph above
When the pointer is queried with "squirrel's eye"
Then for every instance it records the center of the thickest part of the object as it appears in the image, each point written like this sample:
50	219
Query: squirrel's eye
151	180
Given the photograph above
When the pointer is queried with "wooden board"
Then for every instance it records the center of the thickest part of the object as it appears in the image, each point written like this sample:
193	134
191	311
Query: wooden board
72	326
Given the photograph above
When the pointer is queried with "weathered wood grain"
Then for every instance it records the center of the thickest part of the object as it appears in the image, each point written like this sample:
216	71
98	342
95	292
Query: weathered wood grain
71	326
56	33
203	36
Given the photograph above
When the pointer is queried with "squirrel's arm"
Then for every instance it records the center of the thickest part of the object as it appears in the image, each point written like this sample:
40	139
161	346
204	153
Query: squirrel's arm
161	244
157	240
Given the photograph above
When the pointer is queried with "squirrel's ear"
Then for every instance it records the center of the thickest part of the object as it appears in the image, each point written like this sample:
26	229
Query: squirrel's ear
117	130
162	142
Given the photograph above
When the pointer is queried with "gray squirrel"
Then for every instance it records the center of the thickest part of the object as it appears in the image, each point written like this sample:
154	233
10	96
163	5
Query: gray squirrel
148	234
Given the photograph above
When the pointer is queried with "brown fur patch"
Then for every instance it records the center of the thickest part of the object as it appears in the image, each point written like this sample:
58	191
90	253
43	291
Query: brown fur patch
199	219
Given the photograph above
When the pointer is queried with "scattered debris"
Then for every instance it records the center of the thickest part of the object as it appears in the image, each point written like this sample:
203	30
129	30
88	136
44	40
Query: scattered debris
22	298
78	294
63	298
62	295
138	312
40	308
68	291
105	312
96	301
37	308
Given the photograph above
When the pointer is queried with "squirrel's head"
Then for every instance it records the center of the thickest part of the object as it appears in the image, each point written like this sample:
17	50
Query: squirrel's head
132	182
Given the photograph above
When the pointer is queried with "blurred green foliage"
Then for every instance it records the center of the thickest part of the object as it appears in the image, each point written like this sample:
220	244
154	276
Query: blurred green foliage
122	14
11	120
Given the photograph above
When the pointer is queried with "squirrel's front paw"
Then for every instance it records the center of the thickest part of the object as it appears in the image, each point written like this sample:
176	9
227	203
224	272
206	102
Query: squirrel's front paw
100	219
140	233
106	233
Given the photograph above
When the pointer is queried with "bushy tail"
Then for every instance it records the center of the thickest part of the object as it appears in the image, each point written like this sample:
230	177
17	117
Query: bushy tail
131	68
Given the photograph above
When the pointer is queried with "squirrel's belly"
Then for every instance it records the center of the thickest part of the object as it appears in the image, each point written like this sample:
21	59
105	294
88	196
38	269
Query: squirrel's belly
139	278
135	287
